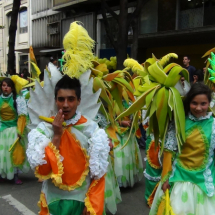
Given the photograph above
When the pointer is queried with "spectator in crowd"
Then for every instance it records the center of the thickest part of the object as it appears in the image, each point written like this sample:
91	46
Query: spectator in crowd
191	69
198	76
24	74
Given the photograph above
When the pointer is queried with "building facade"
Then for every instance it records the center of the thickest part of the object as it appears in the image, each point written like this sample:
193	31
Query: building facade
22	34
185	27
50	20
181	26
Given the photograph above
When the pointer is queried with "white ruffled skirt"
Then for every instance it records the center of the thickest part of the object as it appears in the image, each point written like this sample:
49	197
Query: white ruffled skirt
7	138
128	165
186	198
112	191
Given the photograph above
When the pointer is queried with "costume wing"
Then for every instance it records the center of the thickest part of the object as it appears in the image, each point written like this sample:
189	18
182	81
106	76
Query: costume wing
42	102
89	105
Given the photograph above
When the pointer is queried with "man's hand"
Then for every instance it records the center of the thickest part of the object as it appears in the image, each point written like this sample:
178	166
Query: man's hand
165	186
58	128
126	123
85	211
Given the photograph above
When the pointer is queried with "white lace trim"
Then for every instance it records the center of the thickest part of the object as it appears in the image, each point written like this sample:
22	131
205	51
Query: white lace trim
191	117
171	142
207	173
4	97
73	120
151	178
21	106
36	148
98	151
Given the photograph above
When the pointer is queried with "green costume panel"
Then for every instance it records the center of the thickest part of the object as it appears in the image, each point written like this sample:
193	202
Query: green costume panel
66	207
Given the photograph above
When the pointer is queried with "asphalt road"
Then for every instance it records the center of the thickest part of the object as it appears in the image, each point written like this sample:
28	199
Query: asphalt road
25	197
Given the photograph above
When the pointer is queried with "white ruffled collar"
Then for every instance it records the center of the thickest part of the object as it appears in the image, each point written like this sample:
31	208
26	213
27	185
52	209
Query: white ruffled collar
5	97
73	120
208	115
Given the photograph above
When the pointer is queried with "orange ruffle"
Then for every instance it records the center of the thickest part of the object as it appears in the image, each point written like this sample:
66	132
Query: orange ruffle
94	200
43	205
152	155
111	132
151	197
53	168
138	133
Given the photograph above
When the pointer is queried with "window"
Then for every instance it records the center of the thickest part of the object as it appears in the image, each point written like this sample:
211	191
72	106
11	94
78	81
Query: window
8	20
191	14
149	17
23	21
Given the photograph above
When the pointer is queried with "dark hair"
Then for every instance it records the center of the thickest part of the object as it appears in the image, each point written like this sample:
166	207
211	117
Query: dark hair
199	73
10	83
188	57
68	83
196	89
52	59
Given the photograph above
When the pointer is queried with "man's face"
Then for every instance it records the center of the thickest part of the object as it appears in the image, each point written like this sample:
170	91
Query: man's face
68	102
186	61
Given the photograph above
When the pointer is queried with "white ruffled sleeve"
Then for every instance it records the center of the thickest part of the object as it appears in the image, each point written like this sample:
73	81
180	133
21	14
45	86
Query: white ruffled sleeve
21	106
171	142
38	140
98	150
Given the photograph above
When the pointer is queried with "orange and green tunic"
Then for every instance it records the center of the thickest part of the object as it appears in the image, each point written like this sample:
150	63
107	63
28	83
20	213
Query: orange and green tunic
191	173
74	173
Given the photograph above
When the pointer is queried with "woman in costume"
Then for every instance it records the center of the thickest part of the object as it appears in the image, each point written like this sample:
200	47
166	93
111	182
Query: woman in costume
190	174
112	191
13	112
128	165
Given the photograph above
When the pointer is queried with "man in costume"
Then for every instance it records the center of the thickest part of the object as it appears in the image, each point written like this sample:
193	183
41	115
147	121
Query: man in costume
70	155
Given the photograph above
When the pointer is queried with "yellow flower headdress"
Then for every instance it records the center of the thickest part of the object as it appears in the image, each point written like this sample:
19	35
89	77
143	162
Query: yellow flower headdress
78	51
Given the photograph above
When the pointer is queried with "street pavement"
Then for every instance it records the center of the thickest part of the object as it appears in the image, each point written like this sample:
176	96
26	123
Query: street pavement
22	199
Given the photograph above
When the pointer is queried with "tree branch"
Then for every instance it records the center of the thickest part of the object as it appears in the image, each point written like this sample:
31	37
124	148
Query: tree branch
109	10
107	27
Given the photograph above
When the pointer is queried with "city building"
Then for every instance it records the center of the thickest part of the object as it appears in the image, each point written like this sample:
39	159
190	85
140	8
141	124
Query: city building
185	27
22	34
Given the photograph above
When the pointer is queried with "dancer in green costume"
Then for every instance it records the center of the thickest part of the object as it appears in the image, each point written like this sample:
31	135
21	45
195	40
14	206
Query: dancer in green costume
190	174
13	112
112	191
128	165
